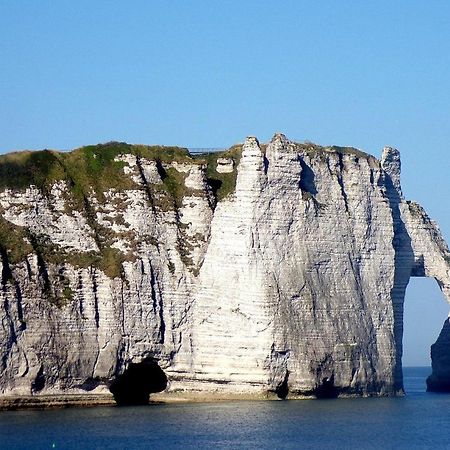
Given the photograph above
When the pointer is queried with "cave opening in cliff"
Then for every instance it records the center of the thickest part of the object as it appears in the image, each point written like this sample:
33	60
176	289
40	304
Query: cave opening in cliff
326	389
424	312
282	389
138	381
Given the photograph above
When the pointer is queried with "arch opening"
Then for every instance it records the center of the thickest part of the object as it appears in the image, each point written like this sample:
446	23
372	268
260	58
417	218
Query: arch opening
136	384
425	309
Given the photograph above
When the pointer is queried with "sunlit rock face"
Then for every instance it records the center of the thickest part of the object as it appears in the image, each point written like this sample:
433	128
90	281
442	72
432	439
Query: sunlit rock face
276	269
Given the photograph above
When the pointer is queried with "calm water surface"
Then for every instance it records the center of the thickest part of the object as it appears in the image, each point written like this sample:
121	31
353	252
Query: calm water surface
419	420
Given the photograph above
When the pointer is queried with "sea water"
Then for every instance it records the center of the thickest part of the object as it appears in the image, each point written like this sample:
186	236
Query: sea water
418	420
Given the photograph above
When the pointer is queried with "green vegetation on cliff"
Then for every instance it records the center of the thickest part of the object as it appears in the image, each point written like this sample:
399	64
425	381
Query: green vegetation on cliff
13	241
222	184
88	168
94	170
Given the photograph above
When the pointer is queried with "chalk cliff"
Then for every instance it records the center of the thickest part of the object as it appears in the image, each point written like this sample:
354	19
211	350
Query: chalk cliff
275	269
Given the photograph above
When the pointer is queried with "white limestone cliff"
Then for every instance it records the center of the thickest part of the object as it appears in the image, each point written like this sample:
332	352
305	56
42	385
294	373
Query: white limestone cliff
293	284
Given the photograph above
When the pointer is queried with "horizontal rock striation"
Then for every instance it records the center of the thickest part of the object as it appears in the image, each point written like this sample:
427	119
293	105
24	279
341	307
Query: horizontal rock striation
272	270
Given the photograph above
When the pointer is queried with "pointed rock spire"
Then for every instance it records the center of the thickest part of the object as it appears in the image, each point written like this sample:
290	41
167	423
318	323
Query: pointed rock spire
279	137
391	164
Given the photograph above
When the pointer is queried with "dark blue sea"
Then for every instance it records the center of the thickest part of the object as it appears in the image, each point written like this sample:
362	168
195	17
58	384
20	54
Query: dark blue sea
418	420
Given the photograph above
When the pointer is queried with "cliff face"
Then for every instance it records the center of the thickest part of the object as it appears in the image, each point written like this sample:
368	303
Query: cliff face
268	268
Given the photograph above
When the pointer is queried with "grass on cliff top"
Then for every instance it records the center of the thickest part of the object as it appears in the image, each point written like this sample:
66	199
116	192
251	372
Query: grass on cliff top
222	184
91	167
94	169
312	149
87	169
349	151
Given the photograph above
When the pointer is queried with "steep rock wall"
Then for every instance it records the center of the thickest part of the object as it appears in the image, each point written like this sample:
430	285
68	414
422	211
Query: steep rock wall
284	273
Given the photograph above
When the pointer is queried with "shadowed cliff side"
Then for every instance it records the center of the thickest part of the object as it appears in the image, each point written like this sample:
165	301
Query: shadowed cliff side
439	380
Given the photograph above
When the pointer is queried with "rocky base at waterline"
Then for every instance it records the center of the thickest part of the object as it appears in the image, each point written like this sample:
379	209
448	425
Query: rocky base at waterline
84	400
55	401
439	380
272	269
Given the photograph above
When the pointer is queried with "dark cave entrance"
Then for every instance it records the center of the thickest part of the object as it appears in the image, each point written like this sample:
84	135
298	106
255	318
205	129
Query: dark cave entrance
327	389
136	384
282	389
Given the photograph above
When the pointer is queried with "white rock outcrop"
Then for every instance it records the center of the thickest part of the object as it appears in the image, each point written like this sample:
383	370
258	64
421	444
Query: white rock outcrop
293	284
224	165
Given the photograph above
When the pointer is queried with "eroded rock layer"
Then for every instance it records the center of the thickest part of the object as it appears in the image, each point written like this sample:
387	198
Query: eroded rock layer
277	268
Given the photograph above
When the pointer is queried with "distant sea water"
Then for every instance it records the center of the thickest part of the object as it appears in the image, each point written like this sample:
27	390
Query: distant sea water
418	420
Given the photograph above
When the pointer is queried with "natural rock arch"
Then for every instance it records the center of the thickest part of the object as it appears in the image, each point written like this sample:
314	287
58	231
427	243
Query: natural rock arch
420	327
431	258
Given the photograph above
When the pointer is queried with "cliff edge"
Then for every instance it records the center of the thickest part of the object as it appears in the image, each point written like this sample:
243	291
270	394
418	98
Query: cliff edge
266	270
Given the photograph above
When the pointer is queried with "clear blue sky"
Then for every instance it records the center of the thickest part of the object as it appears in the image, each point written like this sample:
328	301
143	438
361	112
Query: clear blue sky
208	73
